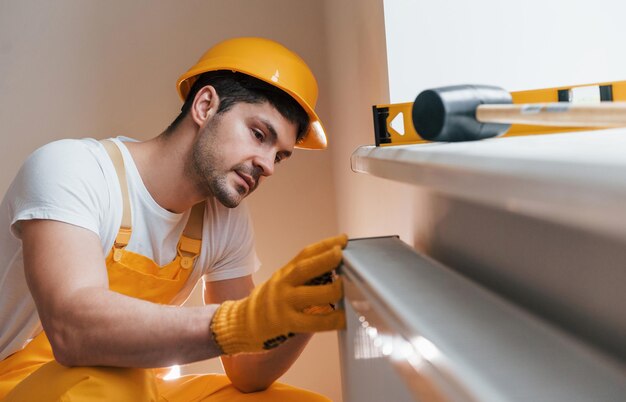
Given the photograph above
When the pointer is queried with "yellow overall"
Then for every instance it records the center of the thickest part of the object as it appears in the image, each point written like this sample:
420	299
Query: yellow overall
32	374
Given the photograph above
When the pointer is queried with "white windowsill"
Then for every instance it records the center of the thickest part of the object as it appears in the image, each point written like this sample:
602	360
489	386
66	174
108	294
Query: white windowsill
576	179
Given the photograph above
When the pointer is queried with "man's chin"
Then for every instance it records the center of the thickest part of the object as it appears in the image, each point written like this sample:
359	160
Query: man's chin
230	197
230	201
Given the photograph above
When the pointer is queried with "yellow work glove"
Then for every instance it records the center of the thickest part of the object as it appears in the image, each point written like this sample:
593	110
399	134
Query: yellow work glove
277	309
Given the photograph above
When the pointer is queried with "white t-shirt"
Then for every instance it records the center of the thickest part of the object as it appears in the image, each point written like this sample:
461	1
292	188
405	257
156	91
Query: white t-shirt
74	181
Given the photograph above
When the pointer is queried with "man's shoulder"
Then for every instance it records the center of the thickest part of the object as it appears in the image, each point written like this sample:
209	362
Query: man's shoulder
67	149
65	180
67	157
77	166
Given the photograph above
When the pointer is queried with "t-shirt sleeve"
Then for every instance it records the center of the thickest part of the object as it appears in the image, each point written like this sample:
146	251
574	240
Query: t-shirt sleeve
236	241
60	181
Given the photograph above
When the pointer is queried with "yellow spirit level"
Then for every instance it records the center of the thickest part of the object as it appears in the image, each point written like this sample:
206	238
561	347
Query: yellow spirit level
384	115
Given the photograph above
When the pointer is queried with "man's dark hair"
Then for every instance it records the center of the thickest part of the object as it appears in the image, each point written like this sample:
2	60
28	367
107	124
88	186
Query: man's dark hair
233	87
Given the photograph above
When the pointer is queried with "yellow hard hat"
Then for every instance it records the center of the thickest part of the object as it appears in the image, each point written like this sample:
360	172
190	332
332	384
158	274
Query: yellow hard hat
270	62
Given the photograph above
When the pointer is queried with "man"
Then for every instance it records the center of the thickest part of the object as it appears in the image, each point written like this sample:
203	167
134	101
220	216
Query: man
100	240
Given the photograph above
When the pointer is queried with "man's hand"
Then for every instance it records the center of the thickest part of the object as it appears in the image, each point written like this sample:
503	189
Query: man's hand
275	309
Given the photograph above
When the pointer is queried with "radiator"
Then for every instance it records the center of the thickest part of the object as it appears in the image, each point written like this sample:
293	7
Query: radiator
418	331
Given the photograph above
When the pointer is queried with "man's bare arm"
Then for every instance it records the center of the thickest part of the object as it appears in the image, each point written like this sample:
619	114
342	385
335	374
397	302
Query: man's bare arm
251	372
88	324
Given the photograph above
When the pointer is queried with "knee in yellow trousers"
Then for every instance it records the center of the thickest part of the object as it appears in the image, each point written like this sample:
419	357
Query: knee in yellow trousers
54	382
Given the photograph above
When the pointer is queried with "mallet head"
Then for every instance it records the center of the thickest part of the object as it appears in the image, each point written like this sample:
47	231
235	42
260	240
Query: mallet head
449	113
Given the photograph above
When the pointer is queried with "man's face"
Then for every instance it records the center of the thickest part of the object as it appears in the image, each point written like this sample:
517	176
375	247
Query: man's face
235	149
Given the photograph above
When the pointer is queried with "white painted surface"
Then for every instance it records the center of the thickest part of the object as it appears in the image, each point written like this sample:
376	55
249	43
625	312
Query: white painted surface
516	45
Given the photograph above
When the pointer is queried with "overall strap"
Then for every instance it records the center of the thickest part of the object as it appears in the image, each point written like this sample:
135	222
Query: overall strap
190	242
193	230
123	236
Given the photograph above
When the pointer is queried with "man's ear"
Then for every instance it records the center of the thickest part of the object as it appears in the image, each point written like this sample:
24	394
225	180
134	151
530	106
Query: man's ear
205	105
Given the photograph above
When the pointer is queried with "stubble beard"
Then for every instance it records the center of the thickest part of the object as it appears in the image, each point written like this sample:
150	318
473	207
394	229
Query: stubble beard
210	181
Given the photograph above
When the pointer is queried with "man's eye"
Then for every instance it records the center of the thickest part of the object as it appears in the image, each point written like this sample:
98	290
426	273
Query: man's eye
258	135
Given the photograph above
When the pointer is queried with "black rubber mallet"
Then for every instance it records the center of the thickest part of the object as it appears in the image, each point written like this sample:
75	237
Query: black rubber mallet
474	112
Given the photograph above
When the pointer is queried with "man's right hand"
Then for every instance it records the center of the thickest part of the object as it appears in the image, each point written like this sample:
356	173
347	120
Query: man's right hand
276	309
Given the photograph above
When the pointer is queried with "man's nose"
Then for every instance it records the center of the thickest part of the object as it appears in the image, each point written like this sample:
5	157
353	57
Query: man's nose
266	164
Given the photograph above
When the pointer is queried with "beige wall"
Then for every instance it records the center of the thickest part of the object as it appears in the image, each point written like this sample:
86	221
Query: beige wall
366	206
75	68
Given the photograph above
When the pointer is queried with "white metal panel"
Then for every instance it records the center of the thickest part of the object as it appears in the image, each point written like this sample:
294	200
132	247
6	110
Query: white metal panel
464	342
